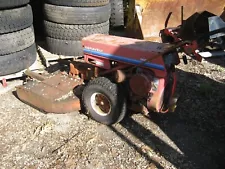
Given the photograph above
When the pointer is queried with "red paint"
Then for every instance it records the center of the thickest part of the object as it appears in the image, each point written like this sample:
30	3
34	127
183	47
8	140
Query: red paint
127	47
100	62
4	83
174	83
189	49
171	33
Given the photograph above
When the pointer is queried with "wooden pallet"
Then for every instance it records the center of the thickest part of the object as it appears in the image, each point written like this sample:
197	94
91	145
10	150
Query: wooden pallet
49	58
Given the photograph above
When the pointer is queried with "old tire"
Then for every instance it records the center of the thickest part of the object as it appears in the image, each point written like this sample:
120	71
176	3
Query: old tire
15	19
16	41
117	13
18	61
85	3
64	47
6	4
77	15
104	101
74	32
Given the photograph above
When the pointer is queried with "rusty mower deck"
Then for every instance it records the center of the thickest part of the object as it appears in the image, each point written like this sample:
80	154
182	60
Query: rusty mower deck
52	94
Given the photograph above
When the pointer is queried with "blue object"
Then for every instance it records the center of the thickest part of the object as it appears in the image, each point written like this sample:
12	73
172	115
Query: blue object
124	59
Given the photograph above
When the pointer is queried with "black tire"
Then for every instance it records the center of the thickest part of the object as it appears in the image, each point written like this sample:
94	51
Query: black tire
6	4
64	47
78	2
74	32
16	41
113	93
18	61
15	19
117	13
77	15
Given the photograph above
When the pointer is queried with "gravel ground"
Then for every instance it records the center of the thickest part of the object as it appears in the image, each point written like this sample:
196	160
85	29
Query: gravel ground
190	138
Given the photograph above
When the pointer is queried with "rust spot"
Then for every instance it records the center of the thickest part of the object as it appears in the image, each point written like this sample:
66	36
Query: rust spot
155	12
86	71
52	95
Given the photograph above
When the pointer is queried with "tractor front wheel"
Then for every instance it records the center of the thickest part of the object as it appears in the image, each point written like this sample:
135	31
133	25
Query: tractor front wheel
104	101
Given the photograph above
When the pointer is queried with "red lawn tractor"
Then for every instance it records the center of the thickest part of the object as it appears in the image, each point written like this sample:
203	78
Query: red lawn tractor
118	73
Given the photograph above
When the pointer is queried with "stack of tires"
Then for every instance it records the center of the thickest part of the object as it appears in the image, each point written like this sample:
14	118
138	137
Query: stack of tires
17	41
68	21
117	13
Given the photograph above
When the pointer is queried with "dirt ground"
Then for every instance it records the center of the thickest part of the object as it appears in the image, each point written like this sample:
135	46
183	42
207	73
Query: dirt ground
190	138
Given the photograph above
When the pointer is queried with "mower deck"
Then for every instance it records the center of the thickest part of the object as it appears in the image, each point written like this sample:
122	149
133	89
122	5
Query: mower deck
52	94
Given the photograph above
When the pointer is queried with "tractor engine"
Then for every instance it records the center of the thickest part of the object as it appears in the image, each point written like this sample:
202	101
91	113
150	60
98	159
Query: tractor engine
141	84
153	92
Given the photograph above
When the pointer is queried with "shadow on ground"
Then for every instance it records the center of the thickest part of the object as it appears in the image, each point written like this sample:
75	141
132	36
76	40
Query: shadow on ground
197	127
217	60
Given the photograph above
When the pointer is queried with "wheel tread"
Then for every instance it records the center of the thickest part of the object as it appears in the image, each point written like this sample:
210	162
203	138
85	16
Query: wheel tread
16	41
79	3
117	13
64	47
112	88
15	19
77	15
18	61
5	4
74	32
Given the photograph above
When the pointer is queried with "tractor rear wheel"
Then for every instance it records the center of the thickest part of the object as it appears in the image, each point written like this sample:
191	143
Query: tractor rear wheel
104	101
